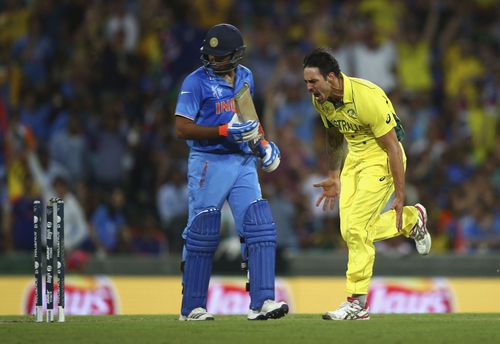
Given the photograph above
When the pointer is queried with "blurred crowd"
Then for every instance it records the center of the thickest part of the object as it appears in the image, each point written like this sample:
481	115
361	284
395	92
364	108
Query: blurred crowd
88	92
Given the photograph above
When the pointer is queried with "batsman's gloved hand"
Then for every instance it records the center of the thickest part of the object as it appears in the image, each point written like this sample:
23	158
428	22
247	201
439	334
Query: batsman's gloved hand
269	155
239	132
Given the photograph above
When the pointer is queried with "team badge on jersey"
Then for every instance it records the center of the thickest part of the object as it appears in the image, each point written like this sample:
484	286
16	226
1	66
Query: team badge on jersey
352	113
216	91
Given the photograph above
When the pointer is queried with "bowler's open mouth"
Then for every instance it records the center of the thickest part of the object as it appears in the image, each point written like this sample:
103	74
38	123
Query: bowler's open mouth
318	96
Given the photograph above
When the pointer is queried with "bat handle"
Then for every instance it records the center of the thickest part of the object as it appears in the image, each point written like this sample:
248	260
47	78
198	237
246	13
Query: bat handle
254	145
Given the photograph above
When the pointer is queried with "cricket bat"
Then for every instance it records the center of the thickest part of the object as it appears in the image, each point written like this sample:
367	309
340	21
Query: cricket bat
245	107
246	112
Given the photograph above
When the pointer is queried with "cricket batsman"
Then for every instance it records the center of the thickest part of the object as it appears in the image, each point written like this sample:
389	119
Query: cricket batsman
361	113
222	167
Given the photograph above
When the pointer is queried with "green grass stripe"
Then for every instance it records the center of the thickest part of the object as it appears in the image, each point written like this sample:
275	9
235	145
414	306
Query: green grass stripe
295	328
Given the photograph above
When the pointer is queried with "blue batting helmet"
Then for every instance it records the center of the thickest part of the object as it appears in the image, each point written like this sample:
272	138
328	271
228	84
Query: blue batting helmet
222	40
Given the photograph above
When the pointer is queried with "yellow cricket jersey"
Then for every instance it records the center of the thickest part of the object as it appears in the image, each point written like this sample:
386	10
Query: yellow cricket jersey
366	113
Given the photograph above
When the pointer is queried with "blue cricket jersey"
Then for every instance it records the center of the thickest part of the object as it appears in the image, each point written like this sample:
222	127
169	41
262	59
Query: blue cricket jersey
208	100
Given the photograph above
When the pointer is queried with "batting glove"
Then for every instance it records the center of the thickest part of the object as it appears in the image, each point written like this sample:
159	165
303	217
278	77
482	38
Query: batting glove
269	155
239	132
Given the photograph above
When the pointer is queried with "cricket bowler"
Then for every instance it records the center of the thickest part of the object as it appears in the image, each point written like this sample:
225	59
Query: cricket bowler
361	113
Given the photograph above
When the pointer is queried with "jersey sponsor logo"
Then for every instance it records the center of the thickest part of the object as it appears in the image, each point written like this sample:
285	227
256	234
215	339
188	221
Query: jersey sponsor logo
345	126
388	120
185	92
381	179
225	106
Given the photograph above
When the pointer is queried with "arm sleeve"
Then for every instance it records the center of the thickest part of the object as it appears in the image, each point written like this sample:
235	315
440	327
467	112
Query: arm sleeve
380	115
189	99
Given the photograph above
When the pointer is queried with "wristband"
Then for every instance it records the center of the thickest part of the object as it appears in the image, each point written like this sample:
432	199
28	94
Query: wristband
223	130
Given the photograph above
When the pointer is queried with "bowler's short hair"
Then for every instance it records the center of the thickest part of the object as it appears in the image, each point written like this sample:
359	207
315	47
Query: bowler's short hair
322	58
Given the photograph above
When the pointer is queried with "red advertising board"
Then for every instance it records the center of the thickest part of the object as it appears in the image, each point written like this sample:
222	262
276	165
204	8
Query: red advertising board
410	296
83	295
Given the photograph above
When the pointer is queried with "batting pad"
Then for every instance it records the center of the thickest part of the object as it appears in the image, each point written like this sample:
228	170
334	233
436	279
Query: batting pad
202	240
260	238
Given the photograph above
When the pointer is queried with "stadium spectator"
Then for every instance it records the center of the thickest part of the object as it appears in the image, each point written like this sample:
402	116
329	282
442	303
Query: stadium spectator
110	223
69	148
119	65
54	183
172	205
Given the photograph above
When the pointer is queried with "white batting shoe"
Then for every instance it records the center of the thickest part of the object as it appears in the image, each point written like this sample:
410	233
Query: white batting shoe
270	310
419	233
197	314
349	310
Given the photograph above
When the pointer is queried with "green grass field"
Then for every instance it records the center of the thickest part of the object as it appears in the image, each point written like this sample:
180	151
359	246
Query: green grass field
296	328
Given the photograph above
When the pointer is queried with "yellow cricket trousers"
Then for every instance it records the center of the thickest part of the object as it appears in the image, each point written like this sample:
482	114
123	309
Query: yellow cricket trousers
366	186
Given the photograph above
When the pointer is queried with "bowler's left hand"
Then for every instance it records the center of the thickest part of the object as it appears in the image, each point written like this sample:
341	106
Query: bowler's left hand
397	205
331	191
